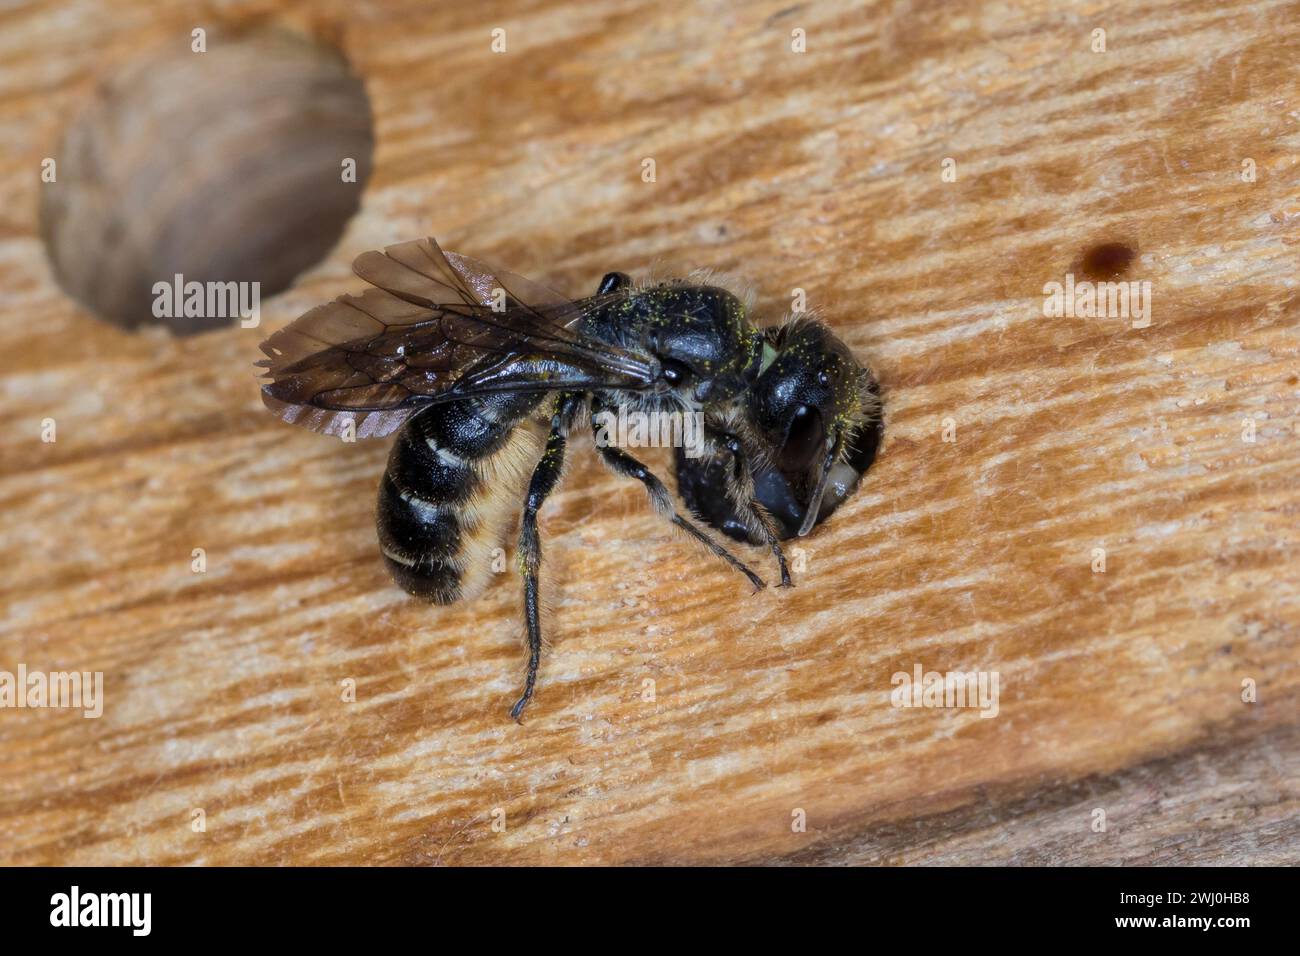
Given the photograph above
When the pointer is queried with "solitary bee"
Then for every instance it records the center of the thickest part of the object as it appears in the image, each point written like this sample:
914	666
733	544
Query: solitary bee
486	373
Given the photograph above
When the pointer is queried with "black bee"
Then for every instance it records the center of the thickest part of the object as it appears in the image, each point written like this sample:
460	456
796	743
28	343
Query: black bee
485	373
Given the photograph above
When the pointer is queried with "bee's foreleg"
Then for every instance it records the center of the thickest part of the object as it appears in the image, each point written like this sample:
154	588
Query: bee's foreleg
740	489
624	464
545	477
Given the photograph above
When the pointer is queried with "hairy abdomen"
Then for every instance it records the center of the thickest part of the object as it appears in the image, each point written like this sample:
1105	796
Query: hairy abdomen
454	485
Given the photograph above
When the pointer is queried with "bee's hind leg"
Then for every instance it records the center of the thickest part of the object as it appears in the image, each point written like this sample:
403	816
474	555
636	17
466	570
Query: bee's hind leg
624	464
546	476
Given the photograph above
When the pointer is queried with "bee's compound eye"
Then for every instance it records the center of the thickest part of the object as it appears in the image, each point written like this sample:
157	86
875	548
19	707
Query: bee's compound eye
673	372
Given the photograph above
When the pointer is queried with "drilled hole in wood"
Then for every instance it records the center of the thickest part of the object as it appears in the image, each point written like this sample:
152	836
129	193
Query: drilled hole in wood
240	164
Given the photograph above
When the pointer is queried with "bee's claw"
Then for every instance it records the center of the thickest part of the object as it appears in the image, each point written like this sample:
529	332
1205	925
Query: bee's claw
518	709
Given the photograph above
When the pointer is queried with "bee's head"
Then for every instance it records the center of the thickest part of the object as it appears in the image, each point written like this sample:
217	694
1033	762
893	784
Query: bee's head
816	410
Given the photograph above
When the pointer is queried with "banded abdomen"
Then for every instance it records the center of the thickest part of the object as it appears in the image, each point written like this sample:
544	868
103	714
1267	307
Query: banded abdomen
455	482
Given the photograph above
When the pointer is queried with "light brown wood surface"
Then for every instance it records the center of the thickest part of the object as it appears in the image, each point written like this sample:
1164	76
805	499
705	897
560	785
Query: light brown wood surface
1120	691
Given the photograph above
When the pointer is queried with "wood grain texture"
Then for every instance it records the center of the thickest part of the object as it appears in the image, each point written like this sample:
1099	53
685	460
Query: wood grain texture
821	170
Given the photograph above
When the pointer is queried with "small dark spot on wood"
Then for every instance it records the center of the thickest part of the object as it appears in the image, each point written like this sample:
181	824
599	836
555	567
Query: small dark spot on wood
1108	260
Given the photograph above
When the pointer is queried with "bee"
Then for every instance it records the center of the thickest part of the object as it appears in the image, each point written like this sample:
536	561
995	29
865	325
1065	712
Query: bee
484	374
810	427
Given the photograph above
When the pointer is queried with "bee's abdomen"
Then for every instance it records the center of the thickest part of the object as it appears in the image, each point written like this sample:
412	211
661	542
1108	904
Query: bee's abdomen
454	482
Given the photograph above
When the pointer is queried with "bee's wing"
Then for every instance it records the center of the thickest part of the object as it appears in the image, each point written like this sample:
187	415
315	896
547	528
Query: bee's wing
420	272
427	332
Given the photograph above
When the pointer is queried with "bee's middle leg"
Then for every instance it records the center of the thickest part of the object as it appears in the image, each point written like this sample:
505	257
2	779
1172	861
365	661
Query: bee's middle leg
624	464
546	475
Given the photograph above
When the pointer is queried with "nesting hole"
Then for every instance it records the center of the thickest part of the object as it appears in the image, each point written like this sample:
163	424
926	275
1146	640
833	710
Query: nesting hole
220	166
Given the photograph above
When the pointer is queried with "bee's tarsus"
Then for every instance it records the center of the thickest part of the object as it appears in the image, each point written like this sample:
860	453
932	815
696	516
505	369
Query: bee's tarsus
516	712
780	558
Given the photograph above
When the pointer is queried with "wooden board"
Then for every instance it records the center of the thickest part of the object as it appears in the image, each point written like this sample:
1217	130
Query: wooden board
1016	444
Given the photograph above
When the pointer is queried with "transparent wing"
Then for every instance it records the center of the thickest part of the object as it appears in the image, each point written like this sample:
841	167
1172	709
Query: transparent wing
428	332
